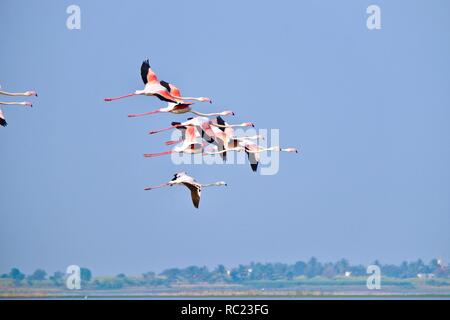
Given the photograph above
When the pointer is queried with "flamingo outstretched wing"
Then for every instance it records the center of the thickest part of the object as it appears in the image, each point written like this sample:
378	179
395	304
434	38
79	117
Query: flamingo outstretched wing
147	73
195	193
253	156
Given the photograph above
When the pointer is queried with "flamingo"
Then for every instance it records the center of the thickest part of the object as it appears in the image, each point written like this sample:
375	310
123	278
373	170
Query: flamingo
157	88
180	108
253	151
210	134
181	178
211	131
192	143
205	124
245	147
182	129
225	138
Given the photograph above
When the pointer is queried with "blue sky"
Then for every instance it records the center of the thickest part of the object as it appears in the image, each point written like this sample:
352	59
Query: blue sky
369	111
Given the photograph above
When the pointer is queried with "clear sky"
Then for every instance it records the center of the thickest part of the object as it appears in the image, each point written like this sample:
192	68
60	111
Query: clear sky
369	111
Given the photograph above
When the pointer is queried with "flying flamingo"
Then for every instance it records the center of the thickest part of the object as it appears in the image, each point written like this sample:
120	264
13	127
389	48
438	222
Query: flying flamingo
204	124
176	109
157	88
192	143
227	141
225	137
179	108
182	129
182	178
245	146
253	151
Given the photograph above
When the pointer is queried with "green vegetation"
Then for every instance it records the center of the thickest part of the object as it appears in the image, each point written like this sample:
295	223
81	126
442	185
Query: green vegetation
312	275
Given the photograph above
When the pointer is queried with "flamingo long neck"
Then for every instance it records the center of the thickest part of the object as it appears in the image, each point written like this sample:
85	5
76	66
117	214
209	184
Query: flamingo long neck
207	114
275	148
13	103
229	125
214	184
222	151
189	98
255	137
11	94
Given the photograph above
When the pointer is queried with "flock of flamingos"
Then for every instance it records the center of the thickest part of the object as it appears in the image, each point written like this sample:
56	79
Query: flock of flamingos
196	133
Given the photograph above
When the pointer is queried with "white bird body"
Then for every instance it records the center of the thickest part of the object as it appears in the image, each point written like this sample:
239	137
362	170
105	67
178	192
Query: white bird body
181	178
173	108
151	88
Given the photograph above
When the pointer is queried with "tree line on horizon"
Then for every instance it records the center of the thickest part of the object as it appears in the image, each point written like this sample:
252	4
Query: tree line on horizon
244	273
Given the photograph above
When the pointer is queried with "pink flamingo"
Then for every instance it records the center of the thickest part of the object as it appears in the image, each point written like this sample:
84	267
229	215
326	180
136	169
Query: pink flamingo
225	137
203	123
181	178
253	151
192	143
159	89
179	108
